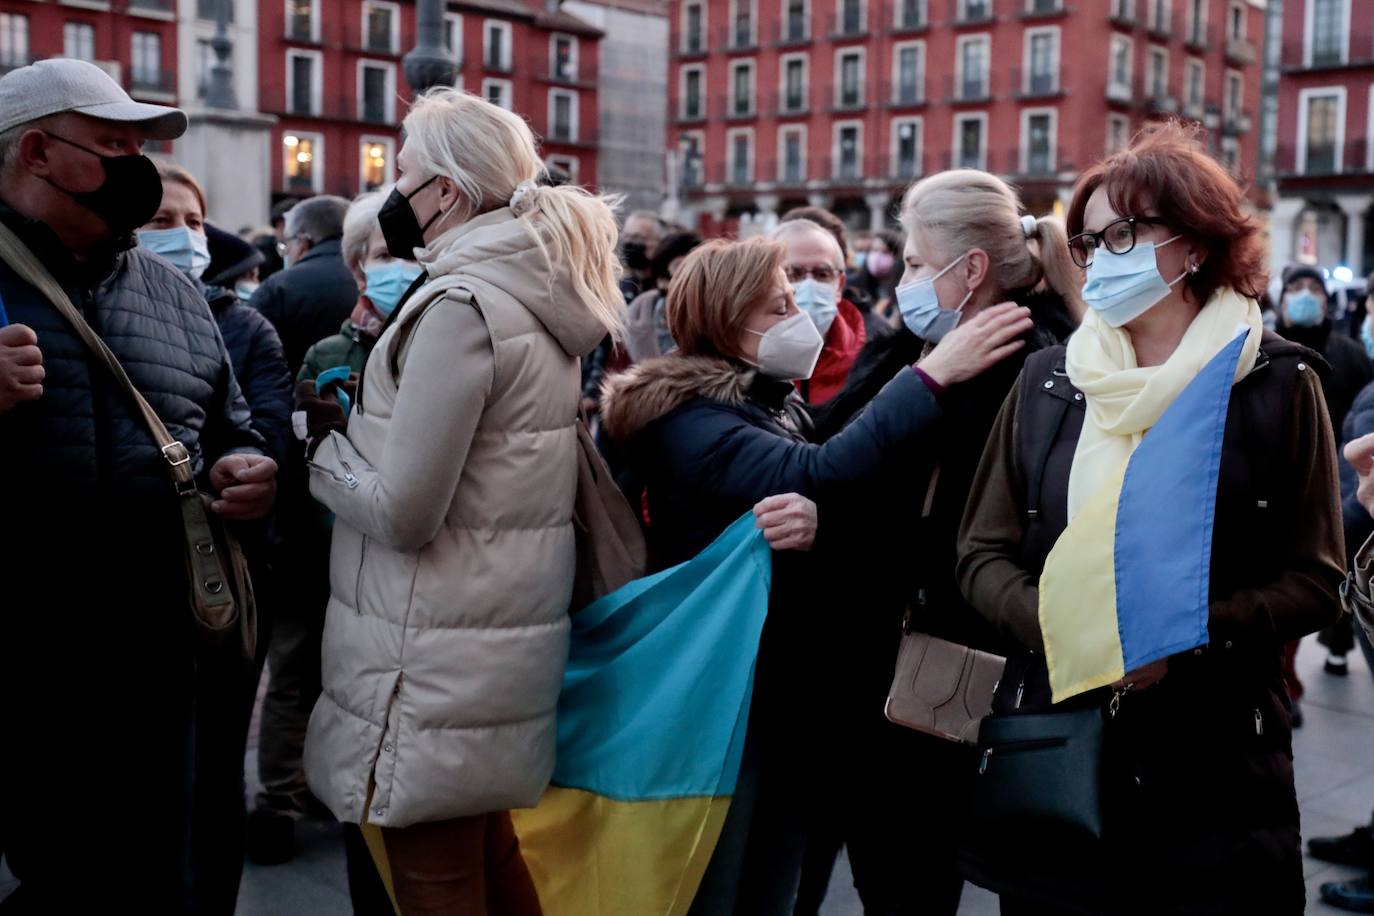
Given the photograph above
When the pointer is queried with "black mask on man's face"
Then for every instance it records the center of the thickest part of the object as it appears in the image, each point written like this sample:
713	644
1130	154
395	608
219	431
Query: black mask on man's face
400	228
127	198
635	255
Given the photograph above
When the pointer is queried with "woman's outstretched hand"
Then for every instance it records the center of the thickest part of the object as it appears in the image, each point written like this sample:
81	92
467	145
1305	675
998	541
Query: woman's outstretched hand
788	521
971	349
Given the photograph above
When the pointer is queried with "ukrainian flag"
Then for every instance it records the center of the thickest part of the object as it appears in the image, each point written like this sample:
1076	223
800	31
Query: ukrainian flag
651	727
1128	581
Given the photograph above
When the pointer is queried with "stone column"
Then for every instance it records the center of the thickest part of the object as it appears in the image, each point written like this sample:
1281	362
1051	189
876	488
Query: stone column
1354	207
236	196
1283	242
879	210
820	199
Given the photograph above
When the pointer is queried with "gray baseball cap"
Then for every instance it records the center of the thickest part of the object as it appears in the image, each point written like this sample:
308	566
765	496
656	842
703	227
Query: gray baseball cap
59	85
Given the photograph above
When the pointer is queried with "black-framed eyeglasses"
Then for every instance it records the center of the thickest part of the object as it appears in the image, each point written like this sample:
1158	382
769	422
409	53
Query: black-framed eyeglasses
822	274
1118	237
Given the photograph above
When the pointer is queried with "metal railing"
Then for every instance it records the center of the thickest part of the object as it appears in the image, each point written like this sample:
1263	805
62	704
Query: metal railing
162	82
971	12
1037	84
157	6
1321	161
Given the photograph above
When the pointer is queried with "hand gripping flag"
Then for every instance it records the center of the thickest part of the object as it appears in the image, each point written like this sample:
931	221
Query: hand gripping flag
1128	581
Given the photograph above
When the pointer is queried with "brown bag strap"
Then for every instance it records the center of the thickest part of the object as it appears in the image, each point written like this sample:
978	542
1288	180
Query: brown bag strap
18	256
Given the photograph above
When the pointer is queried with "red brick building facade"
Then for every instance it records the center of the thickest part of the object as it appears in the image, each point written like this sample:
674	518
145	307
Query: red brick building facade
135	41
1325	158
336	84
842	103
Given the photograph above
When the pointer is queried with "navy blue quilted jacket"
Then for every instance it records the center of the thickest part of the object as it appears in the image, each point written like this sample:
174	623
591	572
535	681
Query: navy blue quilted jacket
81	454
255	351
1358	422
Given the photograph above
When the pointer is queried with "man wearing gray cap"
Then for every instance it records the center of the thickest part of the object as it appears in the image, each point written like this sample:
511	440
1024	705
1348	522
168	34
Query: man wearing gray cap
98	663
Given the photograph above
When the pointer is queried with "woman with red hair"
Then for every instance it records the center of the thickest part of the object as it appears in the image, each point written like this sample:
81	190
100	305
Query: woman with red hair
1198	808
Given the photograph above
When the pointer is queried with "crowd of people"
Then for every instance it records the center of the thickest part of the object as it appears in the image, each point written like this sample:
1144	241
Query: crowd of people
380	399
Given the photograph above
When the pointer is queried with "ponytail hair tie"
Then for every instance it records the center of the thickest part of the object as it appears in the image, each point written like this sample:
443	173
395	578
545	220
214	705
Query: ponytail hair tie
523	198
1030	226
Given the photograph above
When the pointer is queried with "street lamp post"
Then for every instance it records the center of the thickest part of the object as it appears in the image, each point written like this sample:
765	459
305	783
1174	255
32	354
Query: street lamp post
220	93
428	64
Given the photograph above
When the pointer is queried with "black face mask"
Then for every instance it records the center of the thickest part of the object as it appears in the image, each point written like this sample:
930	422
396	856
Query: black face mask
129	195
401	230
636	255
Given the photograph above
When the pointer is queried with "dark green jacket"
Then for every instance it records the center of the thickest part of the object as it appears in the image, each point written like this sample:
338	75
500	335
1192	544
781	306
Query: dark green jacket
349	347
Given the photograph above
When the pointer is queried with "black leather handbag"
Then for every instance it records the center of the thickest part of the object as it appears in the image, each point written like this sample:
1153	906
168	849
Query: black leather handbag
1040	768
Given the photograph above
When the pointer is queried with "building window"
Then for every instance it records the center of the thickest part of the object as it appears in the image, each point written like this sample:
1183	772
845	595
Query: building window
496	46
851	17
1237	22
301	162
376	166
742	24
1321	126
851	83
974	10
205	65
794	27
14	40
1124	10
147	62
1235	88
909	80
742	89
741	144
973	67
911	14
453	36
1159	15
563	57
498	92
1118	133
303	85
1119	80
1038	141
381	27
302	23
1197	22
906	149
376	93
1194	88
209	10
569	165
970	139
563	115
1159	73
792	167
78	40
848	151
1328	29
1042	61
693	92
693	28
794	84
690	147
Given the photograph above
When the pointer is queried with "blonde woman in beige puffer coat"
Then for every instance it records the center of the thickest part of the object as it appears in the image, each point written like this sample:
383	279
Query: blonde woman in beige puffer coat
453	487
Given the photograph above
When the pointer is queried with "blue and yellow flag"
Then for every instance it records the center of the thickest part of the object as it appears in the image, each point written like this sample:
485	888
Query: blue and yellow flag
651	727
1128	581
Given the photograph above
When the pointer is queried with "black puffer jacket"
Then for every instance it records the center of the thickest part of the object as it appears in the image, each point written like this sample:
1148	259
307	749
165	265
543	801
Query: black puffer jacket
259	363
1359	421
309	300
83	438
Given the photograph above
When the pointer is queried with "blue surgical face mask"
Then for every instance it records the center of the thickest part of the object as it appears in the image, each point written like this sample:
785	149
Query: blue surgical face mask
1304	309
818	301
387	283
921	310
1367	338
245	290
188	251
1122	287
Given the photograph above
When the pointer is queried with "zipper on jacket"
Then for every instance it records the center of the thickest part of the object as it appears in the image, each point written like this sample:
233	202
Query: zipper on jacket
1016	747
358	581
348	479
1259	723
1020	693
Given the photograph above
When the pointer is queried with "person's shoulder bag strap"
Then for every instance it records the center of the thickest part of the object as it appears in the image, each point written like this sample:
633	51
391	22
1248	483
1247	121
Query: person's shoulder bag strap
212	586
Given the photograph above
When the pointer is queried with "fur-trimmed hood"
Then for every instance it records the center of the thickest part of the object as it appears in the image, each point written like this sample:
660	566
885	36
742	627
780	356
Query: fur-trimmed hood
640	395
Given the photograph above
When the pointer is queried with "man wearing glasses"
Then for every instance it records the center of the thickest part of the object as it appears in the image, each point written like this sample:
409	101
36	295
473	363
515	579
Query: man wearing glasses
815	268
